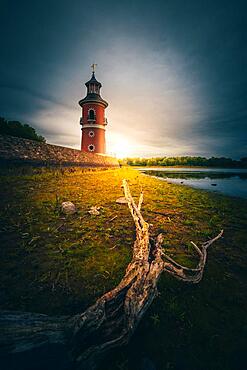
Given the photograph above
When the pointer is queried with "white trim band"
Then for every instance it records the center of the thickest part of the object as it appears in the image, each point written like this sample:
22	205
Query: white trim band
93	126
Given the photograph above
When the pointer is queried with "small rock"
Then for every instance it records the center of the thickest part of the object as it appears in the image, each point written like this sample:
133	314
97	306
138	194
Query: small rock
122	200
94	210
213	184
68	208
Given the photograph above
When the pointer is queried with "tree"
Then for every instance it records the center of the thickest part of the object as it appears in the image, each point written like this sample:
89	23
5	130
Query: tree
186	161
17	129
244	162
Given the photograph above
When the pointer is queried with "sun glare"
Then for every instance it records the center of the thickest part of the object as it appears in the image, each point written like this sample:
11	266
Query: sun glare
122	148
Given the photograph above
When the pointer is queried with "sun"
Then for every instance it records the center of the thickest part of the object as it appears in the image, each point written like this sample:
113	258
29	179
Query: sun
121	147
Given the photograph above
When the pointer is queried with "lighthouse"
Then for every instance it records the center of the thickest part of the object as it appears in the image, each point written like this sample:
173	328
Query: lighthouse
93	122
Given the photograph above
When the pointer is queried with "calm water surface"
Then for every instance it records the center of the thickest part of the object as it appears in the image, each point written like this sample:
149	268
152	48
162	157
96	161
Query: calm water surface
228	181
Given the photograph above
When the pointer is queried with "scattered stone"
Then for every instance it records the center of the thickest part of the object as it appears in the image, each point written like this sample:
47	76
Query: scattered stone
121	200
68	208
94	210
213	184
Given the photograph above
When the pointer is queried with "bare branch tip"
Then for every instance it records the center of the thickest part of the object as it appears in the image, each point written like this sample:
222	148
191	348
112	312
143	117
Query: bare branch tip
160	238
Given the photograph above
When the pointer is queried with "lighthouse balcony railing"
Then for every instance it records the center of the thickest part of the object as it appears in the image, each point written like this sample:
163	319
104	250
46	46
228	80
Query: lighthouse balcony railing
82	122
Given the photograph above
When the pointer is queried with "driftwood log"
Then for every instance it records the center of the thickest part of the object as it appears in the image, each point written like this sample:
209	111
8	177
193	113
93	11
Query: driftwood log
111	321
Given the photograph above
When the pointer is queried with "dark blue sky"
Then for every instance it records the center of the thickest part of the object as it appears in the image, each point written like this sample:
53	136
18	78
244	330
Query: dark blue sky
174	72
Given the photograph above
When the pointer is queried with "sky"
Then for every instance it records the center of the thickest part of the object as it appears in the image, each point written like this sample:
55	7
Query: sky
174	72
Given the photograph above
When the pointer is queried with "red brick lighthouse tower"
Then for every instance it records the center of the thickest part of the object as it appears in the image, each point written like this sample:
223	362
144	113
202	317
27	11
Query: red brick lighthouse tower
93	121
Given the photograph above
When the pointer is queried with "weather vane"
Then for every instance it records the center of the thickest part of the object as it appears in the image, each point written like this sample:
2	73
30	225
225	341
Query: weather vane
93	66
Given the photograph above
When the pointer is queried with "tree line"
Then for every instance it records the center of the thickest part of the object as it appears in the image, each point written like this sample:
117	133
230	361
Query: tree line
186	161
18	129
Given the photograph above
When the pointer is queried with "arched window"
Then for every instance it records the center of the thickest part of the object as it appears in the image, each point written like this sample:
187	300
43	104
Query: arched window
91	114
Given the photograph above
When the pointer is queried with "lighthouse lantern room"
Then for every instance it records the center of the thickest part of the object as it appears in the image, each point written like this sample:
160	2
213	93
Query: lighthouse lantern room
93	122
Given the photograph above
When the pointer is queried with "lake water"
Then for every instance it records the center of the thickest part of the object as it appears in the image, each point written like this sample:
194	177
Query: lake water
228	181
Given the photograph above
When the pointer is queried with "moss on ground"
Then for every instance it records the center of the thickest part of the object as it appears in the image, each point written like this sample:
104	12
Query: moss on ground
56	264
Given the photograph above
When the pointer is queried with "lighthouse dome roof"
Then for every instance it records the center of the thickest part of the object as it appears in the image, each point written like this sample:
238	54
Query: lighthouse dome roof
93	81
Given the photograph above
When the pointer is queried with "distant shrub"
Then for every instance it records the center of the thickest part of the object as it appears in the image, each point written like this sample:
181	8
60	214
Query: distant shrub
18	129
185	161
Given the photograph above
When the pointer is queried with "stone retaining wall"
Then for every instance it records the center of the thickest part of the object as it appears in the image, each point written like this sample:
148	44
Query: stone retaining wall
23	151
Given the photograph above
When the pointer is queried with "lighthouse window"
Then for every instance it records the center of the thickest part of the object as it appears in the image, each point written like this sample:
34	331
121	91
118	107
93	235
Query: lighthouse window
91	114
91	134
91	148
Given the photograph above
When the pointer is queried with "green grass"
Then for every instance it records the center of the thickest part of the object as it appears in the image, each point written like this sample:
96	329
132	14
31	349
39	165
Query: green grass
56	264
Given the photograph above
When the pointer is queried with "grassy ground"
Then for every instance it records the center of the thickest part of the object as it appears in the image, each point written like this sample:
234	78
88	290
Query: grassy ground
56	264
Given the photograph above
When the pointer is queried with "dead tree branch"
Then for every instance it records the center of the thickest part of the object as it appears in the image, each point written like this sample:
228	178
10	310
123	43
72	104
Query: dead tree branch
190	275
111	321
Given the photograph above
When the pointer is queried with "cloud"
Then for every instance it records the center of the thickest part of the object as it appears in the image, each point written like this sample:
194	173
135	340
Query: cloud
174	73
